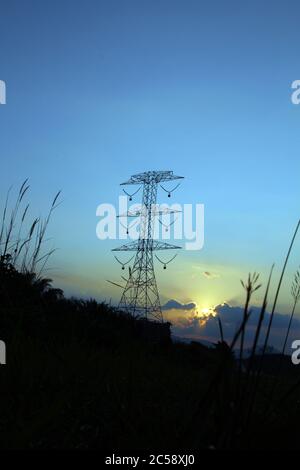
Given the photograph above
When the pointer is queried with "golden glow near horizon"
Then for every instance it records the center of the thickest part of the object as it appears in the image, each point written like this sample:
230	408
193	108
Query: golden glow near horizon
208	312
182	317
205	313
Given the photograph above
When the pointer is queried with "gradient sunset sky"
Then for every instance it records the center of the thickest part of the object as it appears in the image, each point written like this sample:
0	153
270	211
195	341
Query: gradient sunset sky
100	90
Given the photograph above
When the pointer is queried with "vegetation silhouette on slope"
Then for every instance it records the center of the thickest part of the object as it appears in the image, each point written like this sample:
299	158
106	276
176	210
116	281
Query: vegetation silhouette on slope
81	374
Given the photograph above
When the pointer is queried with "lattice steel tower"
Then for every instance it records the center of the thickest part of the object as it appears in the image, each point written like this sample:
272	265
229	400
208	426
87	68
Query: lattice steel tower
140	296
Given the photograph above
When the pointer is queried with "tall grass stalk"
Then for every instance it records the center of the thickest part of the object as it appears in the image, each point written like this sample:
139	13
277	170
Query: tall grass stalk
278	290
22	250
295	292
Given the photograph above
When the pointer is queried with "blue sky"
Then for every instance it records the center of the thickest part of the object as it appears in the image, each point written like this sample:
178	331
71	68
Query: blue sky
100	90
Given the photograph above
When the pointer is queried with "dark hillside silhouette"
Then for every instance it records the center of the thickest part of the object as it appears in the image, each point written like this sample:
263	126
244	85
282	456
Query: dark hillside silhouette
84	374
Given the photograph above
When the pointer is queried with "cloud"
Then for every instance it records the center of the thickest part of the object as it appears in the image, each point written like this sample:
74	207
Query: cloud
175	305
210	275
194	326
231	315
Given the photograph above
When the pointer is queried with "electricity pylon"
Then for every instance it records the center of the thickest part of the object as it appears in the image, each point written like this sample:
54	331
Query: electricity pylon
140	296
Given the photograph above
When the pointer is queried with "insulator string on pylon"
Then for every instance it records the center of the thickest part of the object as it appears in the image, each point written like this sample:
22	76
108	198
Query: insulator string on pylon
131	195
164	263
122	263
169	191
